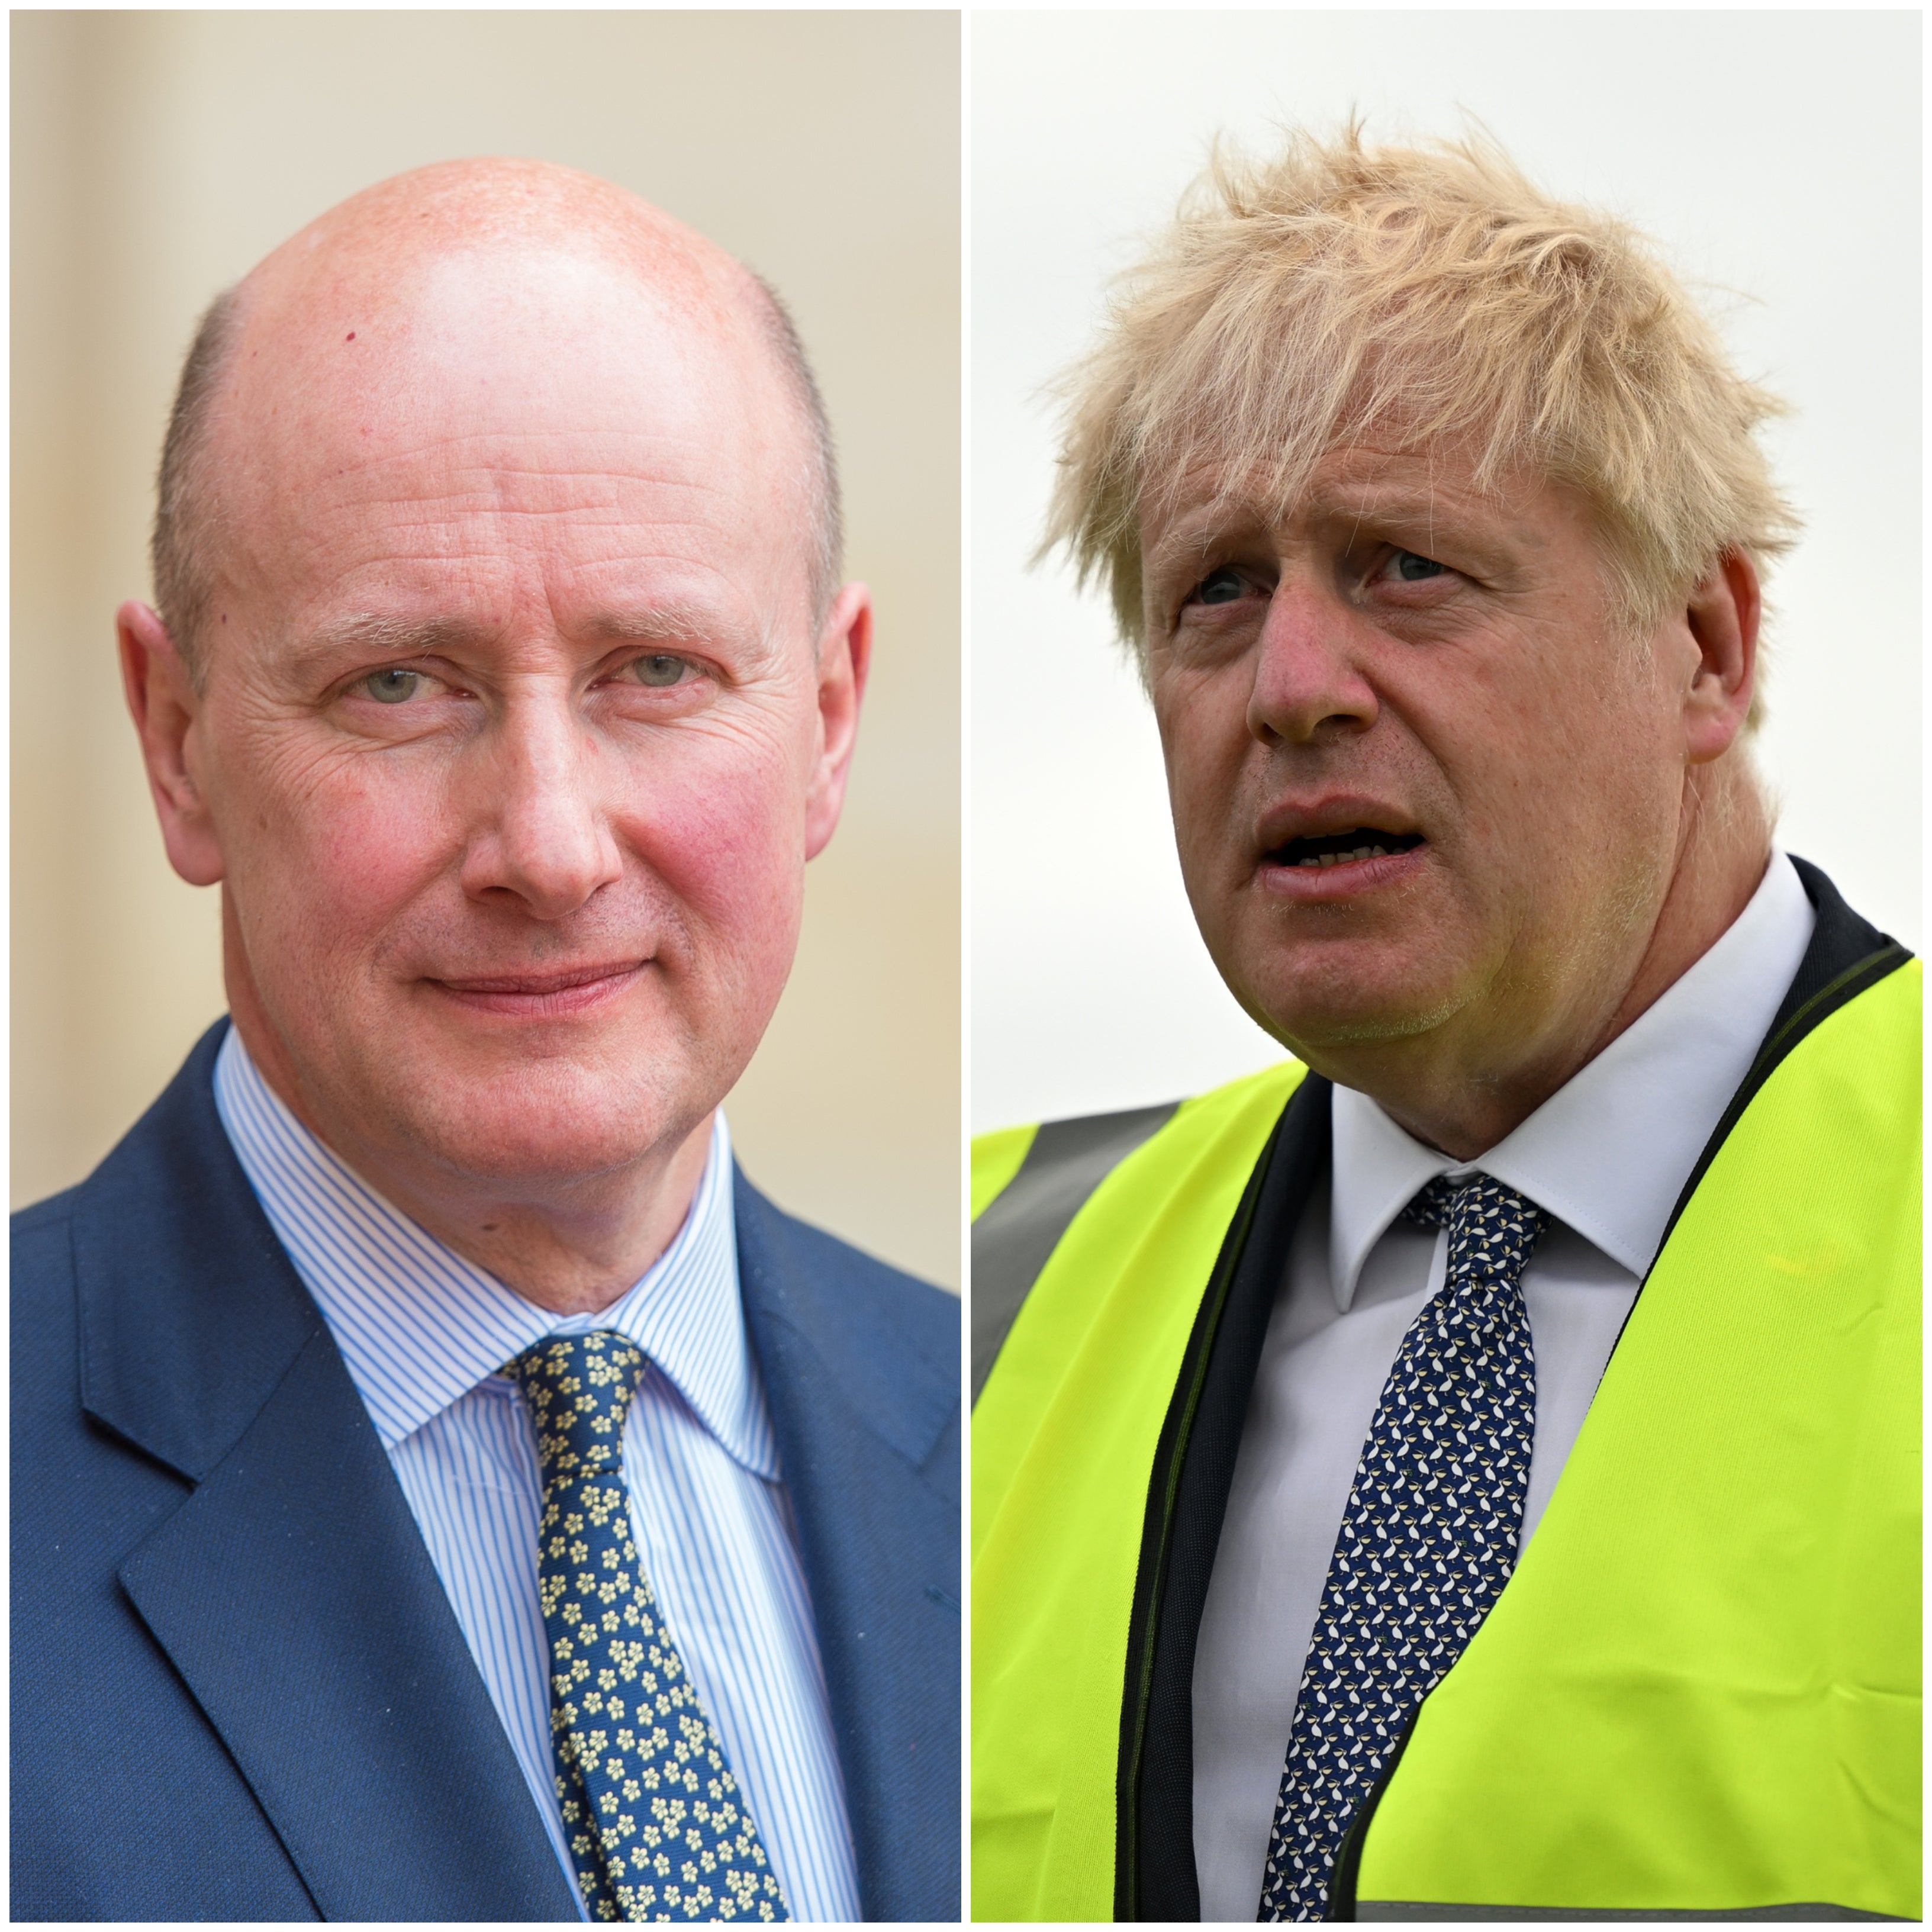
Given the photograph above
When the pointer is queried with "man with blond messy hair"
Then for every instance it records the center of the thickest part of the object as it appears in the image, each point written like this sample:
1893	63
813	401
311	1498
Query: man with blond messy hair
444	1489
1467	1471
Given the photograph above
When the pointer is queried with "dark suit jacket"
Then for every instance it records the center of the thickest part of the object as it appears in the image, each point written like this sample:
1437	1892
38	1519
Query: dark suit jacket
238	1690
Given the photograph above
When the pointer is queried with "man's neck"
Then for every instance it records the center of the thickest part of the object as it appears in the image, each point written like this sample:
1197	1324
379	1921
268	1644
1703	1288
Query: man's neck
577	1250
576	1253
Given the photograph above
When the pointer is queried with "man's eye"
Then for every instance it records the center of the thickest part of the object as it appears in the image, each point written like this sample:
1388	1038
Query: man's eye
393	686
1219	586
660	669
1413	568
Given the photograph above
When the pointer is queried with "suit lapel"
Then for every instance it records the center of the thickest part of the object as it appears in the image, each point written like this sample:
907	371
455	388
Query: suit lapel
292	1590
869	1441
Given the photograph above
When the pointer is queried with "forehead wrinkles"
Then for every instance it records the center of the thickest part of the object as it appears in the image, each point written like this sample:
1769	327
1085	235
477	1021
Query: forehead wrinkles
613	478
557	392
407	512
1212	501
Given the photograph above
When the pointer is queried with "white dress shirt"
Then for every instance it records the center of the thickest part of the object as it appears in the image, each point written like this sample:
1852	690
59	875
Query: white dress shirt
423	1332
1605	1157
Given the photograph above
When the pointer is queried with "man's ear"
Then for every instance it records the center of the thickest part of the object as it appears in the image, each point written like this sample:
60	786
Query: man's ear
1723	616
165	706
845	657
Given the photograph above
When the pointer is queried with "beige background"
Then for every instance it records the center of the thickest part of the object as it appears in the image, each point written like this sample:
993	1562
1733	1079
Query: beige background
156	156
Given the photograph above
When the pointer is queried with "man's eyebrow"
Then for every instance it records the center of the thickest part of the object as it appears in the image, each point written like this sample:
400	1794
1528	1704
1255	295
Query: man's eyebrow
1405	500
1185	545
672	621
389	636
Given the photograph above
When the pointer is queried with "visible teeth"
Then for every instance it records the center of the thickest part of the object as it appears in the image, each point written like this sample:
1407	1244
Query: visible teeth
1344	858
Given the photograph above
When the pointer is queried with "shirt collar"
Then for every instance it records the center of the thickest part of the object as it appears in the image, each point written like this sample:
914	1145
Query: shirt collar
419	1327
1607	1154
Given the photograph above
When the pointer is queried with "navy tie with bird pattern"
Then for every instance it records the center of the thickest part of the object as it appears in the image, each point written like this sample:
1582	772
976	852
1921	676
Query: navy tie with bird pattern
1429	1537
657	1825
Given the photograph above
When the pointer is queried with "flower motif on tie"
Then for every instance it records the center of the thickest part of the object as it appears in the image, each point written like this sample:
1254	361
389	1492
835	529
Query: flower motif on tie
657	1825
1429	1537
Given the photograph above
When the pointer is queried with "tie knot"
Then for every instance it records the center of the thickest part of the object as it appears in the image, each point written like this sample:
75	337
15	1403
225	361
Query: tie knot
580	1389
1431	1207
1492	1228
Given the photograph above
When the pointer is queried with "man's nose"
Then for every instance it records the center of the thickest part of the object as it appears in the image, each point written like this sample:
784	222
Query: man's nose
1309	682
542	826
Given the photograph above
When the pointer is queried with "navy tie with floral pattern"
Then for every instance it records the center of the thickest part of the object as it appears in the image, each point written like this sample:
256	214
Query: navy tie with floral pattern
658	1827
1428	1540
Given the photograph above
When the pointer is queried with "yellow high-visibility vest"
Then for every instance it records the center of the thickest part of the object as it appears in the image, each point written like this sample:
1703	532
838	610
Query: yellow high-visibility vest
1699	1692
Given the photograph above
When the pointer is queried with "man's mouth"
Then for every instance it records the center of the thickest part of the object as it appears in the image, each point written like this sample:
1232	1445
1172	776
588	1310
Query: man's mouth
557	994
1343	848
538	985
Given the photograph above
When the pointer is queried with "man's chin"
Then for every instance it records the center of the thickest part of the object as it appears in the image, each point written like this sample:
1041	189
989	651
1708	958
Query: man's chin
517	1157
545	1126
1327	1013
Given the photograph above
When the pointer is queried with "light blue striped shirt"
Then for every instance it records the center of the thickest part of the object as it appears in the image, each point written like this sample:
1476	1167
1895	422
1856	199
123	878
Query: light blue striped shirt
424	1331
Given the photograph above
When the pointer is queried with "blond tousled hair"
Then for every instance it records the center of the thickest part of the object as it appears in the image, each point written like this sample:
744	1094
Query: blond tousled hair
1302	303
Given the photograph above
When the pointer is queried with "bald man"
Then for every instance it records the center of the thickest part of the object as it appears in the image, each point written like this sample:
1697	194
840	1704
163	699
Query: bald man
443	1487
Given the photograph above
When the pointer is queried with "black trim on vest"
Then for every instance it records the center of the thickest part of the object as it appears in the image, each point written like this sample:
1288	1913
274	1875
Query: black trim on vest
1348	1852
1022	1225
1187	1495
1154	1813
1846	954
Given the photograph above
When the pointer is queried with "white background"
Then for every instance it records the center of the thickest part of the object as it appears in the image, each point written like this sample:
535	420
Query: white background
1775	155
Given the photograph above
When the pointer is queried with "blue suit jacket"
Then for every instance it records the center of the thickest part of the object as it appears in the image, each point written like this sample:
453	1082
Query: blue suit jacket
239	1689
